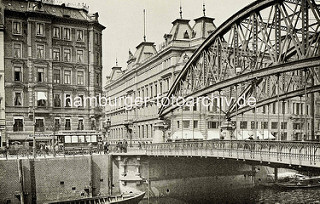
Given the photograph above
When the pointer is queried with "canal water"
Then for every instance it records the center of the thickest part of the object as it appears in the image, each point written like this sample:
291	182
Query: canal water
256	195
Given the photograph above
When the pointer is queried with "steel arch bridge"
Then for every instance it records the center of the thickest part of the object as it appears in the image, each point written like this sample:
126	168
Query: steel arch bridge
269	50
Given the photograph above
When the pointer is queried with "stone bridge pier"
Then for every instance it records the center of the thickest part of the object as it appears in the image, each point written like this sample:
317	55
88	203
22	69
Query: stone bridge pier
184	178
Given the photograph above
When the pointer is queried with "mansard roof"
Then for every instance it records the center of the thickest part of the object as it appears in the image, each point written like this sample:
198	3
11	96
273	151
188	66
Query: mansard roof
203	27
50	8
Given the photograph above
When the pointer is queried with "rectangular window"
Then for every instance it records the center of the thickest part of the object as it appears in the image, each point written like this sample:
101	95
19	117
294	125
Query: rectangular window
67	77
56	32
93	125
283	107
274	125
67	124
56	54
243	124
274	108
80	35
156	90
80	77
80	56
98	76
96	38
67	33
67	100
41	99
186	124
264	125
212	125
80	124
254	126
195	124
16	29
57	100
186	108
40	74
195	107
98	58
56	124
40	51
67	55
82	101
56	76
215	105
17	50
284	125
17	99
297	126
178	124
17	74
40	29
18	125
39	126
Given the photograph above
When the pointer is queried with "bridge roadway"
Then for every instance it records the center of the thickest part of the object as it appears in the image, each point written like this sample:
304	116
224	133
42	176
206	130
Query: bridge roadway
277	153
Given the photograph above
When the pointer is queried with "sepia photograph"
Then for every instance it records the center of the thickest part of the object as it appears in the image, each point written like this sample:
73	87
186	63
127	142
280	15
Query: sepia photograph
159	102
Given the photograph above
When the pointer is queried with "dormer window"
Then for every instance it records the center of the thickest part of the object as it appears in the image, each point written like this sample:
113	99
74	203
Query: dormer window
194	34
186	35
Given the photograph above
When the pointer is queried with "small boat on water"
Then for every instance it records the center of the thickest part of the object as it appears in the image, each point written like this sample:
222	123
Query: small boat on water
284	177
132	198
304	182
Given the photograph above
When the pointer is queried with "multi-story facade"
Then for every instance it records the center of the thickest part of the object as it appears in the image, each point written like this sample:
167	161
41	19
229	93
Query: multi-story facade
52	54
149	74
2	92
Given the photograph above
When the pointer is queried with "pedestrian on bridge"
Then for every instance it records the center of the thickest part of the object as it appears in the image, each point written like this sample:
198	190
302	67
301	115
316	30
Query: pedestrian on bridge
106	148
125	146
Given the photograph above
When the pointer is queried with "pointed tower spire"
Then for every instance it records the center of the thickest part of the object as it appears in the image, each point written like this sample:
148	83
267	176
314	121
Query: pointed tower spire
204	9
180	10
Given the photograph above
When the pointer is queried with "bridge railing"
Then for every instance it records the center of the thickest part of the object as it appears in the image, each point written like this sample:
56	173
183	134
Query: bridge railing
291	152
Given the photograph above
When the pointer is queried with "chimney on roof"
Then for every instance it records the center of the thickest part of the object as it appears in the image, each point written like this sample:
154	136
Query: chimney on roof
95	16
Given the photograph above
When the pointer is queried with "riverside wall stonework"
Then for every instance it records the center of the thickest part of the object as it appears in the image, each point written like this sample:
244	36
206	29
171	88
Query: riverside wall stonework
43	180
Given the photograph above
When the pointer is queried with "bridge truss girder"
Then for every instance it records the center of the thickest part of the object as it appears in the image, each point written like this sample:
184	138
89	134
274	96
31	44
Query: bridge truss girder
269	49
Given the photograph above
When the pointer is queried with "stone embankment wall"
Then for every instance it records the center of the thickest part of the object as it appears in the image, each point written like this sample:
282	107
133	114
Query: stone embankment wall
41	180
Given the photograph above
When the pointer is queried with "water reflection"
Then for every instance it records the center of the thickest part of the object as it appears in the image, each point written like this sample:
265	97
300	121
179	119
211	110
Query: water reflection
253	195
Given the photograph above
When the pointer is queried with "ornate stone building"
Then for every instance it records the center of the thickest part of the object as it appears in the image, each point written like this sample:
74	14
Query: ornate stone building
150	73
52	54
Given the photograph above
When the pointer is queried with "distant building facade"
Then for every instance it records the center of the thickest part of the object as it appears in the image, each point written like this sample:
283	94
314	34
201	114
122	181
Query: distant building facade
52	54
150	73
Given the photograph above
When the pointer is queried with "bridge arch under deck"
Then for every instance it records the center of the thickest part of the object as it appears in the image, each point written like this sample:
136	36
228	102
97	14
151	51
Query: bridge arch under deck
269	49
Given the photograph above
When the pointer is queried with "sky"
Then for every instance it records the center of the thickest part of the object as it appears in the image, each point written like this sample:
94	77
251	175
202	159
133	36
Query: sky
124	22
